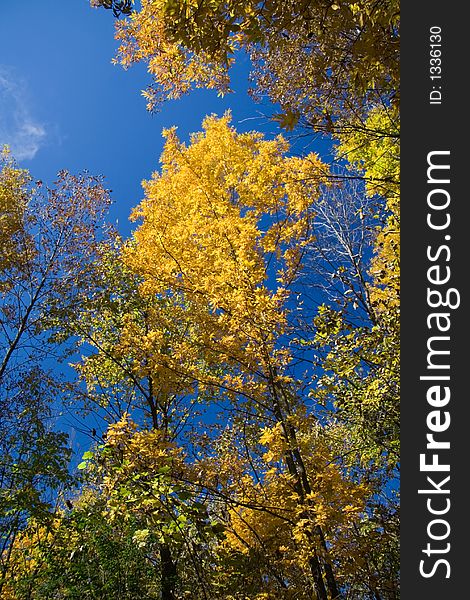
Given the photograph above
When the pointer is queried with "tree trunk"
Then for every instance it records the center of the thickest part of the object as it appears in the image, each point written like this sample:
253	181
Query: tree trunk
168	573
296	467
319	584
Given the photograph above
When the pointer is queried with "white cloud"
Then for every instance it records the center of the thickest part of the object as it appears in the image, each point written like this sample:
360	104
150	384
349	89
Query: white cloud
18	128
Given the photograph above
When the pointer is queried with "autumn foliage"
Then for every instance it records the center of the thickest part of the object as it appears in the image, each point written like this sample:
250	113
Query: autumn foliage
241	346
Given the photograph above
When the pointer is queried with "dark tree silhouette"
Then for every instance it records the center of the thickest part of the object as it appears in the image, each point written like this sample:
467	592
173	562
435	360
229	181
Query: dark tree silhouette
119	7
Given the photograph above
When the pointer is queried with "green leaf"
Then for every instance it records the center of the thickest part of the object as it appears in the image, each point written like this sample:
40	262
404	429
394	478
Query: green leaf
184	495
217	528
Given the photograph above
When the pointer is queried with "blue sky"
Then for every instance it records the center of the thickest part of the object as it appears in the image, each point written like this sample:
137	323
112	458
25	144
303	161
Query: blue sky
64	105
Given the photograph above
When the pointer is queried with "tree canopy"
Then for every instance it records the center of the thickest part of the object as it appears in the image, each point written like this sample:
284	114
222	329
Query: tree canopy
241	345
